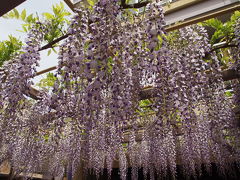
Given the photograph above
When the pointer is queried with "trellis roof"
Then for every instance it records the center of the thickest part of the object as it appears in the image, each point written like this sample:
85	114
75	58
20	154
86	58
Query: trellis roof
8	5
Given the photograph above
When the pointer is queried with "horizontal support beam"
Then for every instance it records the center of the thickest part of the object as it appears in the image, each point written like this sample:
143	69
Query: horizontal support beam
46	70
230	74
147	93
5	170
124	5
54	42
180	4
185	22
70	4
174	24
8	5
226	76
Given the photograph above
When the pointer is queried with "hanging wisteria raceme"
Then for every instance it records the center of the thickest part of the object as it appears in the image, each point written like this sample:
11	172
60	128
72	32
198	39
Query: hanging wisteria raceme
15	81
236	65
237	42
235	83
94	116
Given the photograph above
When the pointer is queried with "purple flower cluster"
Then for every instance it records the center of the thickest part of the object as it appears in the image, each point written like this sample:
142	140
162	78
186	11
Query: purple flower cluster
236	66
92	117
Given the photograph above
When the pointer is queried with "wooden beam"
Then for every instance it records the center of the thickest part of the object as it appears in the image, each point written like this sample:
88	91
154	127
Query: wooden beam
173	8
178	5
46	70
204	17
8	5
5	169
230	74
33	93
124	5
70	4
227	75
53	43
147	93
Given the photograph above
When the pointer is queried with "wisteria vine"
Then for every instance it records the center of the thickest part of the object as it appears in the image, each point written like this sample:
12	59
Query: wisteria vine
93	116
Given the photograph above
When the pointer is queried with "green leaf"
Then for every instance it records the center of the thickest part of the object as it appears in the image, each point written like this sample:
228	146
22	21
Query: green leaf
24	28
54	50
110	64
55	10
125	145
46	138
228	93
30	18
217	36
235	16
145	102
16	13
214	23
48	15
49	52
10	15
61	5
9	48
23	14
91	2
47	82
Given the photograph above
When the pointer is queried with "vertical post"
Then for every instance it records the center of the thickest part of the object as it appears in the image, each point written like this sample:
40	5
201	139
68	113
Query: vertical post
11	174
79	175
46	175
69	172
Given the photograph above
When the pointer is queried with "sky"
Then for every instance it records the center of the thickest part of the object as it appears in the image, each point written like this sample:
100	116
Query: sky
9	26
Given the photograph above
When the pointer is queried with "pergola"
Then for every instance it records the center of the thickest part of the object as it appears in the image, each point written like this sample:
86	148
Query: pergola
186	12
9	5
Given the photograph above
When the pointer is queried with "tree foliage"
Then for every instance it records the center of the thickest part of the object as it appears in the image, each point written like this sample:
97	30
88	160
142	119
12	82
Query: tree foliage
56	22
47	82
9	48
222	31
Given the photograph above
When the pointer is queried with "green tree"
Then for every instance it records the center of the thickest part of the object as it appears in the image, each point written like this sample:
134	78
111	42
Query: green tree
223	32
9	48
56	22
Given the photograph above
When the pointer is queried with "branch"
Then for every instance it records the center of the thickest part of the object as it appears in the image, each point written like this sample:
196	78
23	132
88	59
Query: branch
230	74
46	70
33	93
223	46
50	45
124	5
